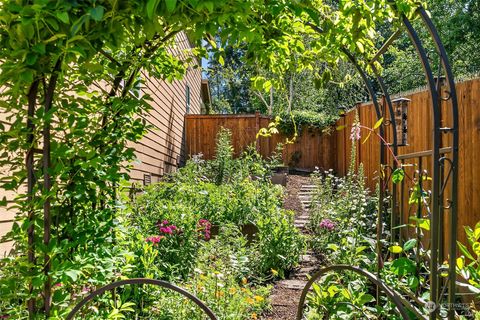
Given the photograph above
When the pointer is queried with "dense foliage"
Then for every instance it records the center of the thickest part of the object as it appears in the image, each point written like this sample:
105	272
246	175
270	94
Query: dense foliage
67	70
225	235
299	120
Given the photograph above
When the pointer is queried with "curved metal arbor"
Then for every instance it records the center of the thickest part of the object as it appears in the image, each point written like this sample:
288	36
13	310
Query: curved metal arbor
440	155
375	280
159	283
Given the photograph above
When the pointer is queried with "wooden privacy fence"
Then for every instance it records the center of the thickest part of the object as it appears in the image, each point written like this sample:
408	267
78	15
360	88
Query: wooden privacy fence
312	147
417	152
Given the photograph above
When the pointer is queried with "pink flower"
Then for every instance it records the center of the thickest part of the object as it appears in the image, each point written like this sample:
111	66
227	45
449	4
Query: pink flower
327	224
355	132
154	239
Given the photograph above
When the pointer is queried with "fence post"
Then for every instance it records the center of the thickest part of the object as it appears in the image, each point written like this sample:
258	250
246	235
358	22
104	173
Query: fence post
257	128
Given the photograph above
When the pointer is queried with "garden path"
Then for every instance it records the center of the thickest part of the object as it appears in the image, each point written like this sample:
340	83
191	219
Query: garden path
286	293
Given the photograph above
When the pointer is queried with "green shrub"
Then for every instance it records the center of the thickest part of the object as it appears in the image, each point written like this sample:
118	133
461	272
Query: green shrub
301	119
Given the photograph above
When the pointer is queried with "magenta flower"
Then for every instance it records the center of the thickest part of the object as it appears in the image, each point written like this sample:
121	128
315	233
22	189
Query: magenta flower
205	226
327	224
167	230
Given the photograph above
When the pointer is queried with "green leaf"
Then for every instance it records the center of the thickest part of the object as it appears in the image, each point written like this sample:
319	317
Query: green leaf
3	202
360	249
403	266
398	175
364	298
476	233
413	282
171	5
97	13
63	16
460	263
378	123
340	128
476	248
395	249
27	75
151	7
55	37
422	223
73	274
31	58
267	85
360	46
209	5
465	251
410	244
221	61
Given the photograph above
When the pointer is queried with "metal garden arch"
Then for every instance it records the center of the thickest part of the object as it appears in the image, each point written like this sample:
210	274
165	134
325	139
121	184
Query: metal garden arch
441	158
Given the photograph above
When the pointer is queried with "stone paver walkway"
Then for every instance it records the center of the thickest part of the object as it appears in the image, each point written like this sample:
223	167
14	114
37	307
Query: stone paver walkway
286	293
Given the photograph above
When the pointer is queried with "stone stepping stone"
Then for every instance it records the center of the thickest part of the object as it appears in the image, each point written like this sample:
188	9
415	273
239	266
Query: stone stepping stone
303	272
292	284
308	258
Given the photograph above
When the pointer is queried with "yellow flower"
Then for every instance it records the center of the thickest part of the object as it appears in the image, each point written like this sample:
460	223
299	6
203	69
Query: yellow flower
244	280
250	300
274	272
254	316
259	298
232	290
219	294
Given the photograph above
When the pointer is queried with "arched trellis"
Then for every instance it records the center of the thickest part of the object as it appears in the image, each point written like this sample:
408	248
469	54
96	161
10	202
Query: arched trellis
393	296
141	281
438	156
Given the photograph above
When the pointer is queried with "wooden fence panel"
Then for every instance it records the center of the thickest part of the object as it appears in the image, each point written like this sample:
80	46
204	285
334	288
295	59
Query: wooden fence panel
420	138
311	149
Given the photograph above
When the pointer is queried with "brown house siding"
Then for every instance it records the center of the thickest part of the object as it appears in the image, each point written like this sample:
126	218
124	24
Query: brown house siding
160	150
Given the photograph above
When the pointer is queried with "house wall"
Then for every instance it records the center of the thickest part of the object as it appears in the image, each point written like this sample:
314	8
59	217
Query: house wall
160	150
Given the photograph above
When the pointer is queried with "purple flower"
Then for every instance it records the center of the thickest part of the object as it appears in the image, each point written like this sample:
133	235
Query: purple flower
327	224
